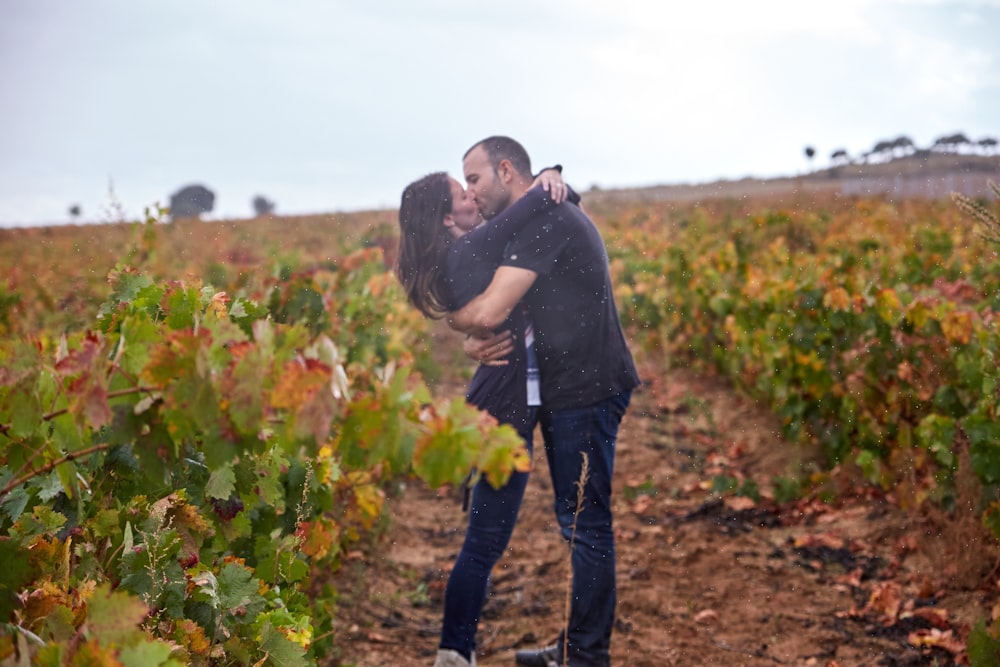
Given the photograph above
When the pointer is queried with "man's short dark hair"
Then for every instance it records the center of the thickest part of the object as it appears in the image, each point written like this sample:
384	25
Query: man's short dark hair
500	148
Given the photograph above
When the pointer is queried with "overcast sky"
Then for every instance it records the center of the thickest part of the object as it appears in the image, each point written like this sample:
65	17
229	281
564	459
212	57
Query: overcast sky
334	105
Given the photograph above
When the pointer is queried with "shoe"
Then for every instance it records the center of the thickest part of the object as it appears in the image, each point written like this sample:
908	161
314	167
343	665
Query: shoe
550	656
448	658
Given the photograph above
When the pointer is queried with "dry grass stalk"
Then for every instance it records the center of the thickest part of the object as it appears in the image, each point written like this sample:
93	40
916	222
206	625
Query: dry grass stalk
581	484
990	221
964	554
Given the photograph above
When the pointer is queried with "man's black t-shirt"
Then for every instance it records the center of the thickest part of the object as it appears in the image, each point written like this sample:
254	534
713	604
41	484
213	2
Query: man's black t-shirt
581	348
469	267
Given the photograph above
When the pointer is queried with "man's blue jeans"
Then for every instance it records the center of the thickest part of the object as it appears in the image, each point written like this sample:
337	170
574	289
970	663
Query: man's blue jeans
569	434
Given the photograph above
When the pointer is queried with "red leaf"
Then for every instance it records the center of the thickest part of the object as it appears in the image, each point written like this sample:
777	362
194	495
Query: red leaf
300	380
89	399
83	359
177	357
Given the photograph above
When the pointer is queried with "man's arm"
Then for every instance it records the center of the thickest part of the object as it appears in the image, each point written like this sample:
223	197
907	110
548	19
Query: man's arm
489	310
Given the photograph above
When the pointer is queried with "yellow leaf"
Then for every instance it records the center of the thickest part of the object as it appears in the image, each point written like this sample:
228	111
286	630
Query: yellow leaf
918	313
369	499
957	327
753	285
887	305
837	299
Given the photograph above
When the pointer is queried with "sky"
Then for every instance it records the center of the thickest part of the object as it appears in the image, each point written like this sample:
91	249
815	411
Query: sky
326	106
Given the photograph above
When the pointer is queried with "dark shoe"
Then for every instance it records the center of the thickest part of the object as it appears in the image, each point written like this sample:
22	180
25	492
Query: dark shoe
550	656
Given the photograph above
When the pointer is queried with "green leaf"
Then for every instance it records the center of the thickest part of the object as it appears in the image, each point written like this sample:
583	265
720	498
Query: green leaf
147	299
225	334
43	520
244	392
221	483
127	538
505	453
218	449
947	401
16	500
296	569
239	592
984	445
237	527
936	433
180	305
206	588
26	410
446	454
983	647
126	283
869	464
281	651
723	484
247	313
59	624
67	474
107	523
145	654
138	335
268	478
51	655
15	573
66	435
48	486
113	618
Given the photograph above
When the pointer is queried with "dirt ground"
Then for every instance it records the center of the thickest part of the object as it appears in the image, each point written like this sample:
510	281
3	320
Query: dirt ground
704	578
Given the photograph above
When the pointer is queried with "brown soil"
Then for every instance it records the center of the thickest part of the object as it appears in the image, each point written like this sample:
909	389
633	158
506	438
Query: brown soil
704	578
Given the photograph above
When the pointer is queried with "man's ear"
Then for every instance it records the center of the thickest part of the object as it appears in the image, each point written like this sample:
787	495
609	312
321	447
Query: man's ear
505	170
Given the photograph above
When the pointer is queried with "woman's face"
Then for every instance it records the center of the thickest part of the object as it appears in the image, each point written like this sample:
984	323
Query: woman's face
464	211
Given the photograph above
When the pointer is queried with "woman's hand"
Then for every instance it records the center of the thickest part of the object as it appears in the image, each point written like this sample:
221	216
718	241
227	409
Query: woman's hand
489	351
552	182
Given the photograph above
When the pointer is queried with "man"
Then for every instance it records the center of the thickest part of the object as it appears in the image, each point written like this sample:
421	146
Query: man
587	376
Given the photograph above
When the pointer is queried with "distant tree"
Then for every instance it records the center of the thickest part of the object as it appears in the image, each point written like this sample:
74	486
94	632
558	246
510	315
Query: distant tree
950	143
262	205
810	154
904	145
75	211
191	201
988	145
839	157
882	149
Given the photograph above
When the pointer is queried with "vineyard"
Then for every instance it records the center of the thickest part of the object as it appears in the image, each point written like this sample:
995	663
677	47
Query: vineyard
203	426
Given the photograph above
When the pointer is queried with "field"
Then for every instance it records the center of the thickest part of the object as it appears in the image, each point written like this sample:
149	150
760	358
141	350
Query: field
807	476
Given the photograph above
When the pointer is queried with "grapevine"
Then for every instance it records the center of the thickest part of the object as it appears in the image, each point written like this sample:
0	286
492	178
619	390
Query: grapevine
173	476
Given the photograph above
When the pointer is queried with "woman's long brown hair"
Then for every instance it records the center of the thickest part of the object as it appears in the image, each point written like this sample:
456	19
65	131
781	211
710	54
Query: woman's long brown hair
424	242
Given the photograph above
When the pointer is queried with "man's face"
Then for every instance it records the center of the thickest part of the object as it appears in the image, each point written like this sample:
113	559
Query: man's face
464	211
490	194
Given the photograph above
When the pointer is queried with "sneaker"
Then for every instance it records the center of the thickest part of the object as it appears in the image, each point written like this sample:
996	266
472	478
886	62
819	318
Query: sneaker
448	658
550	656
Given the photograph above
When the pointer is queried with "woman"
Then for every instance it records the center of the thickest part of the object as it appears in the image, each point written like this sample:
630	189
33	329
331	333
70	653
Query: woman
447	256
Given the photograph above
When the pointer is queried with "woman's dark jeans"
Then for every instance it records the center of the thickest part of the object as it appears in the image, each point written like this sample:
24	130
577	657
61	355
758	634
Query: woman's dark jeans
492	514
